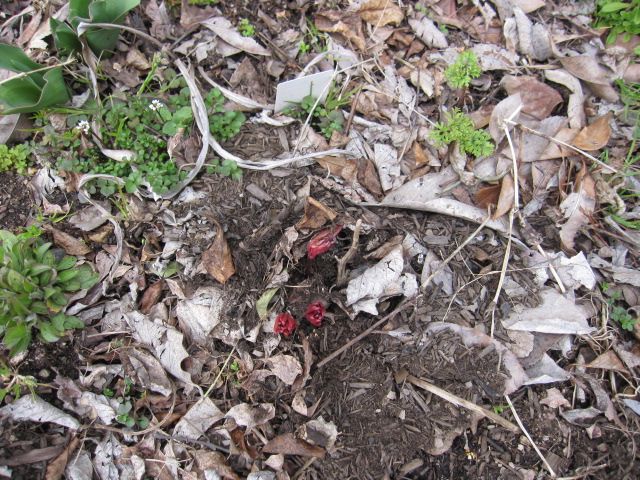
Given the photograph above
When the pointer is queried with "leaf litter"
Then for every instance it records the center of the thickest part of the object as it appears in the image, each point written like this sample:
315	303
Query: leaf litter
182	324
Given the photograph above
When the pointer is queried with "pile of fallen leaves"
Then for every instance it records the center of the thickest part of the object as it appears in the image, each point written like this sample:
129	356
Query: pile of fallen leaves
217	300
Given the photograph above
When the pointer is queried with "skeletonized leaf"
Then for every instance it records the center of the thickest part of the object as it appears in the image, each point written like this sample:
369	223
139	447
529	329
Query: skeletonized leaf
594	136
217	258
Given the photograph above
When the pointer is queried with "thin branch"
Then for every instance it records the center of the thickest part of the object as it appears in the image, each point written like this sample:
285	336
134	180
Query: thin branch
342	263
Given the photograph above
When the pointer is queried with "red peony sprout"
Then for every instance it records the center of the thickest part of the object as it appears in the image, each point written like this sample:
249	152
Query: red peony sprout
285	324
315	313
322	241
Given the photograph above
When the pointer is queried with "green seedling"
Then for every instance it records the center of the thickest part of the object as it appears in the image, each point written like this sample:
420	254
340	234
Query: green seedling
623	18
14	384
227	168
465	68
36	86
246	29
617	312
14	158
326	116
313	39
34	287
459	128
142	126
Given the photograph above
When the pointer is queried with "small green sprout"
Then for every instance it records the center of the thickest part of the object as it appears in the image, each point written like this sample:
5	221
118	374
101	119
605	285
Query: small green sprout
465	68
459	128
246	29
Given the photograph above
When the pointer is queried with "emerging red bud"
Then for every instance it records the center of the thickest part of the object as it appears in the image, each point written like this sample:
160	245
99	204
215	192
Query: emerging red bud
322	241
285	324
315	313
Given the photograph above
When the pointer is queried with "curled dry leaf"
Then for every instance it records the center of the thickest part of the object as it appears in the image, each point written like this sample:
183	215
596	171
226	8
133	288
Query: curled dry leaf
316	214
380	12
594	136
289	444
151	296
428	32
71	245
506	198
578	207
249	416
575	108
538	99
349	25
217	258
227	32
285	367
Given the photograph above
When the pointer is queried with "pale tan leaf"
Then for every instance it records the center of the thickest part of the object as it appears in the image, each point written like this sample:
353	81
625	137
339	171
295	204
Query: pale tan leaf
594	136
340	167
288	444
505	201
428	32
285	367
349	25
608	361
504	110
217	258
538	99
578	207
227	32
381	12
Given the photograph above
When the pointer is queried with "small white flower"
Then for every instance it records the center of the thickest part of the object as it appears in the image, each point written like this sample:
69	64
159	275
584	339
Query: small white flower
83	126
155	105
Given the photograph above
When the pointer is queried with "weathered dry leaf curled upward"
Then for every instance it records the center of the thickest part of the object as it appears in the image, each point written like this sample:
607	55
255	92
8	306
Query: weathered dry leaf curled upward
594	136
217	259
578	207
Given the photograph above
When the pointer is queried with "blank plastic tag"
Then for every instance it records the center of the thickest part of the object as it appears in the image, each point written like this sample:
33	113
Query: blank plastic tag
292	92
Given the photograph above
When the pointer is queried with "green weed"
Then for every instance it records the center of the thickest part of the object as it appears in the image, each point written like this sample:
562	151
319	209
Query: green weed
623	18
14	384
34	284
246	29
465	68
14	158
459	128
617	312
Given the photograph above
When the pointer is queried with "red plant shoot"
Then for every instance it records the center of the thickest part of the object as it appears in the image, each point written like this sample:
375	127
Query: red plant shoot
285	324
322	242
315	313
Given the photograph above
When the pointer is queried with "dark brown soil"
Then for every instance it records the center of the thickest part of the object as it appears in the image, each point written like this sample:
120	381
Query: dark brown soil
16	203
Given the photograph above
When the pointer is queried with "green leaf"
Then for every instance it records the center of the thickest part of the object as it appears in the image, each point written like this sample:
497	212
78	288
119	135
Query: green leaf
104	40
20	95
65	37
66	263
262	305
613	7
38	268
48	332
16	281
14	59
58	322
17	338
73	322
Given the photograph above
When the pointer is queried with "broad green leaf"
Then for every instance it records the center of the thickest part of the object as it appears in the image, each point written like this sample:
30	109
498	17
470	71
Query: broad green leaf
38	268
66	263
58	322
67	275
16	281
40	308
262	305
65	37
48	332
73	322
72	285
14	59
614	7
14	334
42	250
19	95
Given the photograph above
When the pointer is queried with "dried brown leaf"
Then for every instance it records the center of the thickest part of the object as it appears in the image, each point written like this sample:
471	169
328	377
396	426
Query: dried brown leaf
487	196
578	207
349	25
160	21
288	444
368	176
608	361
316	214
217	258
340	167
586	68
594	136
505	201
151	296
538	99
57	466
207	460
381	12
71	245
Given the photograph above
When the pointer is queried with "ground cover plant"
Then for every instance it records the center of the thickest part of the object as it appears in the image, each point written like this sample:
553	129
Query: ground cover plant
431	272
